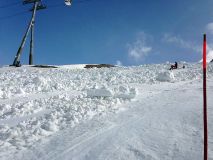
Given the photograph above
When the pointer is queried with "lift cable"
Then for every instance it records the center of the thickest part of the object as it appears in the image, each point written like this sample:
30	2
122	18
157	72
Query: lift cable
9	5
24	12
60	4
14	15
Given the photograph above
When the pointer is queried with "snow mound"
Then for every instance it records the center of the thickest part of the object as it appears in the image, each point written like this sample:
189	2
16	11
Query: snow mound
123	92
165	76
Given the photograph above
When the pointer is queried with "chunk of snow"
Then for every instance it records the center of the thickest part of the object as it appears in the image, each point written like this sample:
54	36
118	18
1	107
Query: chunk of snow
40	81
165	76
1	93
122	92
50	126
99	93
125	93
20	91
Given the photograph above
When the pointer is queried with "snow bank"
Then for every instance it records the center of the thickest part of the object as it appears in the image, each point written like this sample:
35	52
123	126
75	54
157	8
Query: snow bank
26	80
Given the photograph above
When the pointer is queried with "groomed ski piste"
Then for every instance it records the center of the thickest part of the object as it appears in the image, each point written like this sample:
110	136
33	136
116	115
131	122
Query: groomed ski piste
144	112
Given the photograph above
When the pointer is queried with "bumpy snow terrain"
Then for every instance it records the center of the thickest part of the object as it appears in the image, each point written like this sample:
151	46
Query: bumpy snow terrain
145	112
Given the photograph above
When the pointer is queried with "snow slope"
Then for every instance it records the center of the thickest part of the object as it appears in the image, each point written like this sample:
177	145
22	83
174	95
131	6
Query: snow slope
145	112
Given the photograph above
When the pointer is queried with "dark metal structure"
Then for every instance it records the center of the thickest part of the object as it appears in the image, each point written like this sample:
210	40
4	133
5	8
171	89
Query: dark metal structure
37	6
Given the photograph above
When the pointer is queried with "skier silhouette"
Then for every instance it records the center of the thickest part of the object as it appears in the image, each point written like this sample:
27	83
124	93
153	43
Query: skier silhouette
175	66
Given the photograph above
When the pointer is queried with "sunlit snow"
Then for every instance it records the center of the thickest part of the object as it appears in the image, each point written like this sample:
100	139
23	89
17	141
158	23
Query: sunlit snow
144	112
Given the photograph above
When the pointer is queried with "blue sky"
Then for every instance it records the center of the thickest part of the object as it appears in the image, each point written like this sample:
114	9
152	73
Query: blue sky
131	32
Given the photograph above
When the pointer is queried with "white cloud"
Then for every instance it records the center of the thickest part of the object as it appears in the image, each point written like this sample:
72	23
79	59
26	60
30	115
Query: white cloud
209	27
118	63
209	56
180	42
139	49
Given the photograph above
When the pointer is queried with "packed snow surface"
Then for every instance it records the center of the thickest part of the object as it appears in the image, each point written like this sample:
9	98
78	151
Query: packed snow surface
146	112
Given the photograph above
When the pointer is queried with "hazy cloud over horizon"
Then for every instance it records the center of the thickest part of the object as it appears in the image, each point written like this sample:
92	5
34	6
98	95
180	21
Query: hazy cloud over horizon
209	27
139	49
177	40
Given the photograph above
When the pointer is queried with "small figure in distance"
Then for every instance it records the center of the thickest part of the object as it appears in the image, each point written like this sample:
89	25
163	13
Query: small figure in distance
175	66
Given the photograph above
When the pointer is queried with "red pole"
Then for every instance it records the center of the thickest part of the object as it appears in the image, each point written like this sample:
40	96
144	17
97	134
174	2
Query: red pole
205	101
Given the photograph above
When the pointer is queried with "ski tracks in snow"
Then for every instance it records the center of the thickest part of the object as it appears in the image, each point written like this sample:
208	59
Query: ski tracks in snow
149	129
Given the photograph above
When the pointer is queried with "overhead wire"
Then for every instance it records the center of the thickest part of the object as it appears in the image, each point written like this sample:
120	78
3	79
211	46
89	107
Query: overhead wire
24	12
60	4
9	5
14	15
6	6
